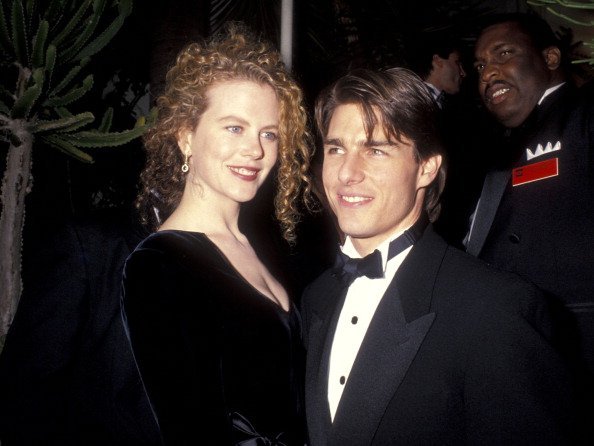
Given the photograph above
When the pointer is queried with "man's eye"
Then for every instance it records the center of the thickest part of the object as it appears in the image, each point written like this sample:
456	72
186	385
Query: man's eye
479	67
376	152
234	129
333	150
505	53
270	136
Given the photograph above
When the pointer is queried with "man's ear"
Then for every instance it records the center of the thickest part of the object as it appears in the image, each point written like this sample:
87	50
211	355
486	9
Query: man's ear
436	61
552	57
429	170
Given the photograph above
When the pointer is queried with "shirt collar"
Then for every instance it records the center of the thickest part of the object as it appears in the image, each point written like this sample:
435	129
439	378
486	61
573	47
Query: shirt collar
548	91
435	92
349	249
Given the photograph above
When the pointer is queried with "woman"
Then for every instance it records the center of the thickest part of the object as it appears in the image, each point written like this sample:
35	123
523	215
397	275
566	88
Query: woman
216	338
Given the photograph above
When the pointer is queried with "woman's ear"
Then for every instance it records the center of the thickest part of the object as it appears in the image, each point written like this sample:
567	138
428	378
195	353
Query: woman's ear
429	170
184	142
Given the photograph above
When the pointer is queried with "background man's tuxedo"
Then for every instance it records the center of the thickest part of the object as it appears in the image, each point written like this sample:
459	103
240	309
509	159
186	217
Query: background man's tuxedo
455	354
544	229
67	373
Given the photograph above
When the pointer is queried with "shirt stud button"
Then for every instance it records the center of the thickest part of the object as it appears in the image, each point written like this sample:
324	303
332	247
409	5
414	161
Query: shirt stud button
354	320
342	380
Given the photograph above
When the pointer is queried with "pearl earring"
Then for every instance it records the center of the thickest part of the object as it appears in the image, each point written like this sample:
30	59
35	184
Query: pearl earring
185	166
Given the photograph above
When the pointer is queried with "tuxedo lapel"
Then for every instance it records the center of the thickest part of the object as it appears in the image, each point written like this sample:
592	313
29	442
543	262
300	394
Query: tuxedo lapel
321	333
493	188
386	353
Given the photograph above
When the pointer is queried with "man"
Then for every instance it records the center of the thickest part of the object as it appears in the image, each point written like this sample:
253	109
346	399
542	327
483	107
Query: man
67	372
429	346
437	62
535	215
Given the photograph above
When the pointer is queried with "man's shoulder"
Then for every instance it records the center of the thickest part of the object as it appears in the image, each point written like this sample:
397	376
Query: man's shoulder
476	285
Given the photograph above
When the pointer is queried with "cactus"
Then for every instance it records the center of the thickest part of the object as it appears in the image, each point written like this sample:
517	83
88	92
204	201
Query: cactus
47	50
561	8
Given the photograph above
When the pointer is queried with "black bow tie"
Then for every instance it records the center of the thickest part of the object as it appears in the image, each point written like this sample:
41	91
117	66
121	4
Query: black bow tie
371	265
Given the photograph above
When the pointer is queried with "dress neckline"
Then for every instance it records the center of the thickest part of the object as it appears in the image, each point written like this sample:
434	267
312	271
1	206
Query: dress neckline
237	273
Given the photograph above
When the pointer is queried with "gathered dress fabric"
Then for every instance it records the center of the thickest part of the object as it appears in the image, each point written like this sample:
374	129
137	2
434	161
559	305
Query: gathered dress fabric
222	364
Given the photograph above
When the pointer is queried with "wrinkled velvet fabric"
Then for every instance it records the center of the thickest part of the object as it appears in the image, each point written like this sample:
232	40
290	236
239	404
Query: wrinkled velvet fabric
210	347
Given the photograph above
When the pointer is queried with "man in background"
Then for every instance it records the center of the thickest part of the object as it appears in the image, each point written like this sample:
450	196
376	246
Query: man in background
535	216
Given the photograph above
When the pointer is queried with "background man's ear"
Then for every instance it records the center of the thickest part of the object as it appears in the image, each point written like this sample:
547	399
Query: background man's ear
552	57
436	61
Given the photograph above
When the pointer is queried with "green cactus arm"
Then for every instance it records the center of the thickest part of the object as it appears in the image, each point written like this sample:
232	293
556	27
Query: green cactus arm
98	139
24	103
63	112
68	78
566	3
5	44
30	7
85	35
101	40
67	147
74	21
19	33
569	19
125	7
54	11
50	63
37	76
106	121
73	95
39	46
62	125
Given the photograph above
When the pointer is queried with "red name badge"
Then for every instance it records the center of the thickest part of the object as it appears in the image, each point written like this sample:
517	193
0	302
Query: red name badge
535	171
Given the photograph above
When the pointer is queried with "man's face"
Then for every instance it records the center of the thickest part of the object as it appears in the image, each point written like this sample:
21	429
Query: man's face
375	188
513	74
452	73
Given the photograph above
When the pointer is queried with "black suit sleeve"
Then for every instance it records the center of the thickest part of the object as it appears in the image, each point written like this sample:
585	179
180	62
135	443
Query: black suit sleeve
517	389
36	363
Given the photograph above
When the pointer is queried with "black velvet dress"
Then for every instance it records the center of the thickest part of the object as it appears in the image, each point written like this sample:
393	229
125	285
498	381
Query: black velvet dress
222	364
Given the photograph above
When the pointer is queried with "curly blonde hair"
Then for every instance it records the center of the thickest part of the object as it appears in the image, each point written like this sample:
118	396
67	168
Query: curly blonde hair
235	54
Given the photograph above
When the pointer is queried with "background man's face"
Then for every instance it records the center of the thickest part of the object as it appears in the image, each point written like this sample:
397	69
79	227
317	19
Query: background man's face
373	187
453	73
513	75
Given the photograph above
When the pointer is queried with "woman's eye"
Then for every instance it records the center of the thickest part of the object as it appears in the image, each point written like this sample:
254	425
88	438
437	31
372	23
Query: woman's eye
234	129
270	136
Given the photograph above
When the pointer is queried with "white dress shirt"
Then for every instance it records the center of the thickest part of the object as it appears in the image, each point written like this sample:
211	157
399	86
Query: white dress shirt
362	299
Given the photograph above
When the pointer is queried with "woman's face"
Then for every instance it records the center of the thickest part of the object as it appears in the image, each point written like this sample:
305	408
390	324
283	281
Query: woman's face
235	144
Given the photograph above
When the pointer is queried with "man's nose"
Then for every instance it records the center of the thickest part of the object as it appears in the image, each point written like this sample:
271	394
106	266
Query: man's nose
488	71
351	170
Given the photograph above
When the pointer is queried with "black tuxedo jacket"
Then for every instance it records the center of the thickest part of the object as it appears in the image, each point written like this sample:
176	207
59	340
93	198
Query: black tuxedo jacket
455	354
67	373
536	211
